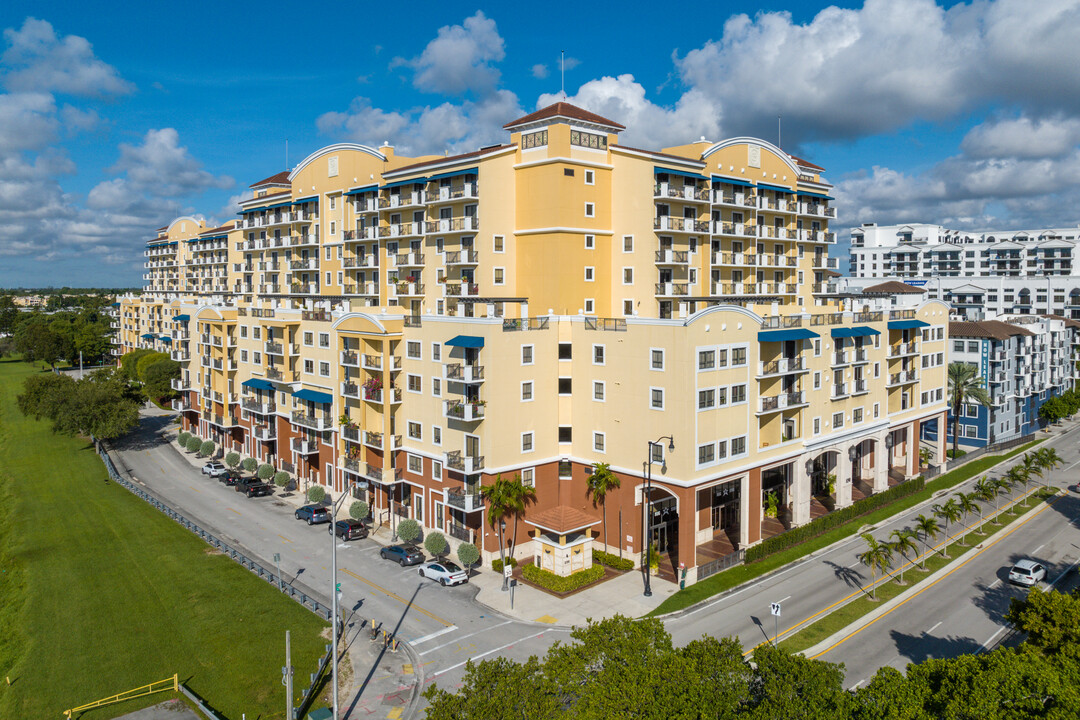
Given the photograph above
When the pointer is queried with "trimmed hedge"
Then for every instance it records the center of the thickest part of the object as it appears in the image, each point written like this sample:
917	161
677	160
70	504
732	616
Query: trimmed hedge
250	464
497	564
182	438
555	583
612	561
316	494
828	522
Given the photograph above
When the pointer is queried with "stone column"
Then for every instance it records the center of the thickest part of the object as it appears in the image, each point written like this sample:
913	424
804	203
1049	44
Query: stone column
752	503
744	511
800	492
843	479
940	457
882	460
911	449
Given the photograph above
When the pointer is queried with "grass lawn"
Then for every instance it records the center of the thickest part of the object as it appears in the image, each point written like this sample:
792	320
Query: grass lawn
101	593
740	574
844	616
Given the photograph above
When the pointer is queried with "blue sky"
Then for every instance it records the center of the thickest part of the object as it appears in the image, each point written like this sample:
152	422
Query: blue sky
113	122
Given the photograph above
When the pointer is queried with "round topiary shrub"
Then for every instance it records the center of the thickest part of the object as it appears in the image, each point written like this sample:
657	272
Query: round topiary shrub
207	448
232	459
468	555
250	464
282	479
408	530
266	471
193	444
358	510
436	544
182	438
316	493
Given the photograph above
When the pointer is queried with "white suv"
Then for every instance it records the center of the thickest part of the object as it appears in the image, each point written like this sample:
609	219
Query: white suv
214	469
1027	572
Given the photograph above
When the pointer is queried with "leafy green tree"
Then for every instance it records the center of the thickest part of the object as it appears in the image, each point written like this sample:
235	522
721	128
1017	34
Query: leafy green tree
436	545
158	377
7	346
282	479
599	484
37	342
498	689
358	510
792	686
94	406
193	444
965	388
967	503
9	313
207	448
144	363
948	512
1047	459
928	529
232	459
506	498
1018	475
468	555
902	542
265	472
316	494
1050	619
250	464
182	438
44	395
890	696
408	530
877	557
1052	410
129	363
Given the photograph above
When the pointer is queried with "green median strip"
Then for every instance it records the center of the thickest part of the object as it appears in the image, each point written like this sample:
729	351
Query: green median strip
728	579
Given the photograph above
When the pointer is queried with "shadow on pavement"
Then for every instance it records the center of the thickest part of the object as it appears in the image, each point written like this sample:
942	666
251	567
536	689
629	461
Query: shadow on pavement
850	576
146	437
924	646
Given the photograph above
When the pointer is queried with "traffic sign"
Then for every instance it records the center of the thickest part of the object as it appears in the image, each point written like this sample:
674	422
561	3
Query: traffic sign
508	571
776	609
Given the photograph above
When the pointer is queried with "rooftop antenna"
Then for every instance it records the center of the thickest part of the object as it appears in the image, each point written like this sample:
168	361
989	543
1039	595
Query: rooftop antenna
562	73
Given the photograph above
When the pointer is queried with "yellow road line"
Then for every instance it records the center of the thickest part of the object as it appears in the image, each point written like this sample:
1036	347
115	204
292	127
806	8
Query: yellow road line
966	559
235	511
284	538
195	488
397	597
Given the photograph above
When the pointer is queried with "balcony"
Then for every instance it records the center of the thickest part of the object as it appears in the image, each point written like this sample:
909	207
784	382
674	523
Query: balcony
840	390
672	257
668	223
671	289
180	384
902	350
266	433
903	378
781	366
467	191
840	357
311	263
182	405
304	288
407	229
375	362
462	257
515	324
691	193
320	422
180	355
458	498
396	200
363	289
825	263
350	358
350	390
463	289
302	240
859	356
468	464
817	210
375	440
383	476
860	387
826	288
463	411
376	396
275	348
736	229
266	407
459	372
409	289
305	446
275	373
362	262
410	259
451	225
783	401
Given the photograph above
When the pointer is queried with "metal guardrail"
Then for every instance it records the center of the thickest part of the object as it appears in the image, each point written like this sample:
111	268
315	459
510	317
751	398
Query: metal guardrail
722	563
977	452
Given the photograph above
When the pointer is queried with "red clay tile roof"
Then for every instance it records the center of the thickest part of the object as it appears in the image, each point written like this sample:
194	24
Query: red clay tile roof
994	329
893	287
1069	322
566	110
560	519
805	163
833	273
281	178
450	159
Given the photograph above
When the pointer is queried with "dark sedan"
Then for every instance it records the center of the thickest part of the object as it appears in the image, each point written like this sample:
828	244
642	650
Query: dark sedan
350	529
313	514
402	555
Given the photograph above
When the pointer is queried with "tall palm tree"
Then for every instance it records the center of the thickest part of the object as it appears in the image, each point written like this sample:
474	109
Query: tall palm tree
878	556
984	491
999	487
506	498
902	541
965	388
967	504
600	483
948	512
928	528
1048	459
1018	474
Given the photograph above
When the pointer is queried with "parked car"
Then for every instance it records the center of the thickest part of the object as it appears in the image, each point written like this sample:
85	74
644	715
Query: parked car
214	469
446	573
350	529
1027	572
314	514
229	475
253	487
402	555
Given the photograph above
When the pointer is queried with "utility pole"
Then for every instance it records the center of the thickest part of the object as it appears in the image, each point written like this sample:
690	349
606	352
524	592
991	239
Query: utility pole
287	674
336	588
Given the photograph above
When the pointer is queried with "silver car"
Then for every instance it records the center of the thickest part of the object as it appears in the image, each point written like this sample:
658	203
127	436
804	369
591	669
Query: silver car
1027	572
447	573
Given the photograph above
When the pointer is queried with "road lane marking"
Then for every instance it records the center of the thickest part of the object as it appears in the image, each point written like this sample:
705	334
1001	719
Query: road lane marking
1038	548
463	637
284	538
195	488
397	597
991	638
235	511
432	636
934	628
489	652
783	599
994	584
857	562
964	560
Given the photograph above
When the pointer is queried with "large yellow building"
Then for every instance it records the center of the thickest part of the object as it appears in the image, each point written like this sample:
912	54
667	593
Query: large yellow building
419	326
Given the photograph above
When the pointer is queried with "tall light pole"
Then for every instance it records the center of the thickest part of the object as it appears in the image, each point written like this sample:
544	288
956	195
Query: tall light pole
647	523
334	586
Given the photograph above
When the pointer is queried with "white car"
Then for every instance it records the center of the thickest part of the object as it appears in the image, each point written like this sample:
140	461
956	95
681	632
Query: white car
447	573
214	469
1027	572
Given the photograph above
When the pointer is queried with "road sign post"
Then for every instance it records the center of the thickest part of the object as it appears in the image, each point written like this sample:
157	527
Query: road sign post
277	564
775	609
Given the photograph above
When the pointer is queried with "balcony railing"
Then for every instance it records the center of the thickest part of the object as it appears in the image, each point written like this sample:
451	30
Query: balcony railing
465	373
256	406
468	464
458	498
671	289
781	365
376	396
265	432
180	384
459	224
350	358
462	290
598	323
305	446
840	390
903	377
778	322
902	349
320	422
774	403
840	357
462	257
672	257
464	411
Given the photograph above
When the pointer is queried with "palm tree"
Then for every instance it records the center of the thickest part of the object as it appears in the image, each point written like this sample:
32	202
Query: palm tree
927	527
600	483
1032	463
506	498
1019	474
965	388
997	487
878	556
967	504
949	512
903	542
1049	459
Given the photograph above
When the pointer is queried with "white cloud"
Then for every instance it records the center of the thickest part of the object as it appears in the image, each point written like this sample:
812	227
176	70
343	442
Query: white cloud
162	167
39	61
459	59
539	71
1022	137
27	121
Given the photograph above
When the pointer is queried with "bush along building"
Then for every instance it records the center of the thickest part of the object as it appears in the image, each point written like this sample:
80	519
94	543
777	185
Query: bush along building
418	327
1022	361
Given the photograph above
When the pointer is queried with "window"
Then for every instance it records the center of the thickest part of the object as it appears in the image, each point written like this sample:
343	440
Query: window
498	276
706	360
309	366
628	308
257	358
738	357
973	346
971	431
598	390
498	244
416	464
738	446
628	277
309	339
526	442
566	434
706	454
414	430
817	347
856	416
721	396
598	441
721	450
566	351
817	381
324	340
590	210
436	387
598	354
877	409
738	393
413	382
243	331
436	352
721	358
412	349
528	478
656	359
243	356
628	243
568	172
706	399
817	426
590	274
590	242
590	306
436	467
526	391
526	354
656	398
838	420
590	177
566	469
566	386
324	369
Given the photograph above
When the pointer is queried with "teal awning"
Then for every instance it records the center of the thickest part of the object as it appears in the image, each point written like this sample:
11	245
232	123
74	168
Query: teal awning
466	341
803	193
782	335
456	173
777	188
275	206
258	384
314	396
115	305
165	339
181	318
209	237
907	324
360	190
149	336
853	332
657	170
732	181
401	183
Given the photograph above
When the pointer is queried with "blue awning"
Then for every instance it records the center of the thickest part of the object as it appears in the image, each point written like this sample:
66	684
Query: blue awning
401	183
803	193
314	396
657	170
777	188
115	305
466	341
181	318
360	190
853	332
733	181
165	339
275	206
301	201
149	336
782	335
258	384
907	324
466	171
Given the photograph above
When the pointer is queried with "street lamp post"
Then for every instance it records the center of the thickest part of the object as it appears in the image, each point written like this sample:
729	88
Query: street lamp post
334	586
647	504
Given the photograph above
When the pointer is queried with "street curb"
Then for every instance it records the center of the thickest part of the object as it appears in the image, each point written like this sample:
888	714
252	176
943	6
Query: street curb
675	614
872	616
